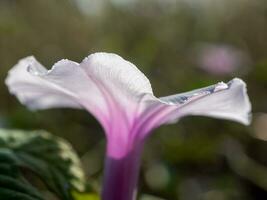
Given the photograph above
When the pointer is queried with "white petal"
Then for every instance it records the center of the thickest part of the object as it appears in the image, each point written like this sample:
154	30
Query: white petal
117	76
26	80
105	84
225	101
122	84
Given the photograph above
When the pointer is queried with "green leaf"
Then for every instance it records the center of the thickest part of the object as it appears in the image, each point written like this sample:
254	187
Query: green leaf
51	158
85	196
12	185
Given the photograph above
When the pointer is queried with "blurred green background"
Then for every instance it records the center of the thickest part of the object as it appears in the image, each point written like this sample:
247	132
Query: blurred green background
180	45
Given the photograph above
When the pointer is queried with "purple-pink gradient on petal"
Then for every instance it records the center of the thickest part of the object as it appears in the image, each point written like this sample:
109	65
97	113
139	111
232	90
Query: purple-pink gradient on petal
120	97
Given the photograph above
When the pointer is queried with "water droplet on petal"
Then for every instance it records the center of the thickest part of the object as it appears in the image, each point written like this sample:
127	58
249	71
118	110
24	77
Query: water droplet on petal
220	86
34	71
182	99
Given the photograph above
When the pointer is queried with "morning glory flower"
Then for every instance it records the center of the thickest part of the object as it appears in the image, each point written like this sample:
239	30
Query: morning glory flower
120	97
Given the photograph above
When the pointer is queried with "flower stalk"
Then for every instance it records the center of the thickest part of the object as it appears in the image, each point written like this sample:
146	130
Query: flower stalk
121	176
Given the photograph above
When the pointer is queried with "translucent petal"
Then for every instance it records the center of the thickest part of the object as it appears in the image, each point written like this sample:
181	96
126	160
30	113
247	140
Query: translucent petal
225	101
28	81
105	84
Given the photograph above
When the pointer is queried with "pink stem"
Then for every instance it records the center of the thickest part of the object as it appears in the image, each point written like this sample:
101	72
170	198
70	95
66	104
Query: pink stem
121	176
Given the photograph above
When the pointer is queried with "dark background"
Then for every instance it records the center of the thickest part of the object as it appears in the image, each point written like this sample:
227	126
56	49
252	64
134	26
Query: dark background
180	45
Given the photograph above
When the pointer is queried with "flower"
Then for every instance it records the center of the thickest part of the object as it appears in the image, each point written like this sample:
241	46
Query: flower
222	59
120	97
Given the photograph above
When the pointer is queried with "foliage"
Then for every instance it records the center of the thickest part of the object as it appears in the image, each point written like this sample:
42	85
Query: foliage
49	158
12	184
85	196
